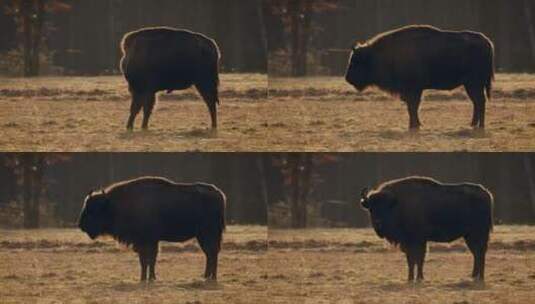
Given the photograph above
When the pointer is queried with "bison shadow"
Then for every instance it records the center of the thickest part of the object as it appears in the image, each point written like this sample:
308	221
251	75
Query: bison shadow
397	134
198	133
400	286
467	284
462	285
191	133
201	285
130	286
469	133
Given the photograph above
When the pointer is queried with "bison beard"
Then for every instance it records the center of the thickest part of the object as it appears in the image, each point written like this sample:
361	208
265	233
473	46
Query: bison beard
141	212
411	211
409	60
166	59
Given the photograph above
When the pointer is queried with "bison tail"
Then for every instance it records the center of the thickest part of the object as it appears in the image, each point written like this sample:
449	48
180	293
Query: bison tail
490	79
488	90
491	211
222	221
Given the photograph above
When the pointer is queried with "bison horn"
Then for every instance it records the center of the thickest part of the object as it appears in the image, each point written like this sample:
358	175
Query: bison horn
364	193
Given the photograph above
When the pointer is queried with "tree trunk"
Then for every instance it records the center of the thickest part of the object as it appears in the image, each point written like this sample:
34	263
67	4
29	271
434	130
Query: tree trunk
32	166
530	167
37	34
26	12
260	164
304	37
528	9
293	160
306	176
295	32
37	190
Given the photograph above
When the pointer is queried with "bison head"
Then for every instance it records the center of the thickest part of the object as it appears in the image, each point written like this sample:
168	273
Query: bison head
380	205
359	67
95	217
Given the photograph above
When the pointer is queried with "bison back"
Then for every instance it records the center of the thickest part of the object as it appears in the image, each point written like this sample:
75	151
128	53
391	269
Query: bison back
158	209
443	212
167	58
424	57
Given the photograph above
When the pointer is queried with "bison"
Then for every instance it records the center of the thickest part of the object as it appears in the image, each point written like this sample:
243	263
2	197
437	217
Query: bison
143	211
411	211
409	60
164	58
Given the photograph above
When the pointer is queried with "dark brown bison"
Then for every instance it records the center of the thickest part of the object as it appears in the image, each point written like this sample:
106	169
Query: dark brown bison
143	211
414	58
412	211
164	58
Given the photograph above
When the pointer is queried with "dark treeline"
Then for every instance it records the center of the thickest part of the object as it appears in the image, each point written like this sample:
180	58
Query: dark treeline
65	181
510	24
295	189
509	176
85	38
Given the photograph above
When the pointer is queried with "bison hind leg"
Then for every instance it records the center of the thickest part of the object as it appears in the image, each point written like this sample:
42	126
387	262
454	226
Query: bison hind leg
148	106
210	245
477	95
135	107
210	95
413	99
478	248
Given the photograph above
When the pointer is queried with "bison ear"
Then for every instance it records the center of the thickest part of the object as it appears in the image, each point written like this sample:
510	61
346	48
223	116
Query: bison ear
365	203
364	198
364	193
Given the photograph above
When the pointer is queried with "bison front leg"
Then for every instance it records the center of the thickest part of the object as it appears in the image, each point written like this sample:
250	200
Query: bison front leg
210	96
420	251
148	106
147	260
413	100
411	260
152	254
143	261
415	253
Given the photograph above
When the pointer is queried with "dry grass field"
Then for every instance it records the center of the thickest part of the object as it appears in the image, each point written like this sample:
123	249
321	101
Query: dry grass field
65	266
297	266
308	114
354	266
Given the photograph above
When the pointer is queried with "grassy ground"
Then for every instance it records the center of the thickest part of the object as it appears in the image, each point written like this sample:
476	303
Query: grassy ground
354	266
64	266
299	266
308	114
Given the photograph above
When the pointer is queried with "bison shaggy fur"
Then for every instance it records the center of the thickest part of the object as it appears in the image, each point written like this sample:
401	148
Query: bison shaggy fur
166	59
411	211
143	211
411	59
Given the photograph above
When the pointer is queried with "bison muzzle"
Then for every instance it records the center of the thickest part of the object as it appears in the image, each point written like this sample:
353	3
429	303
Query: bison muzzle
409	60
143	211
411	211
166	59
